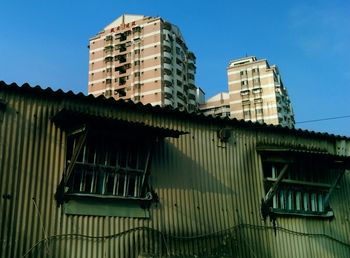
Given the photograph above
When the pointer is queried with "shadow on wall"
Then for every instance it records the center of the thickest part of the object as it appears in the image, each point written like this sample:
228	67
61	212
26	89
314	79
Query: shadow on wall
197	208
172	169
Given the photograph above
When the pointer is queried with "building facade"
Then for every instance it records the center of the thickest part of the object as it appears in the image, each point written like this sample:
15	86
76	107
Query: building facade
143	59
257	92
90	177
218	105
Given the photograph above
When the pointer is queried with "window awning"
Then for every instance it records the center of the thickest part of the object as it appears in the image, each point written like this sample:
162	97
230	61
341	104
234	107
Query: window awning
292	152
70	120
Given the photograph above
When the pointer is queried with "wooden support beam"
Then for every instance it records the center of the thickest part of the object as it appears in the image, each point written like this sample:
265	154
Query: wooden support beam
334	185
60	191
150	147
275	185
75	155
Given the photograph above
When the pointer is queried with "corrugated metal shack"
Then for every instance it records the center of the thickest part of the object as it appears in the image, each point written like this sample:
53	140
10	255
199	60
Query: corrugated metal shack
93	177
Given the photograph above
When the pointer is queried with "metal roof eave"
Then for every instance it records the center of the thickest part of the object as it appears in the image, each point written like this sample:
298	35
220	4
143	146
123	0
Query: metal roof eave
303	151
69	120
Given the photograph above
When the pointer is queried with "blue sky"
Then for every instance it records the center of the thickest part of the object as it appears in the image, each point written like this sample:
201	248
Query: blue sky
45	43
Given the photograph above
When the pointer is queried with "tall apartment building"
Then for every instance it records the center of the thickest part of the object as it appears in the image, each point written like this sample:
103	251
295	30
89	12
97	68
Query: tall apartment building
256	93
143	59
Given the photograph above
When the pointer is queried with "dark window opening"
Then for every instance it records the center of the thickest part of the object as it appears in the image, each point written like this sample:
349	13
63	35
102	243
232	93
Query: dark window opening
303	184
111	167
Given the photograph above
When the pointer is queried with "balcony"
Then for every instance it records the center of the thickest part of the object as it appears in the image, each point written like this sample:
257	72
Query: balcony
191	67
168	83
191	57
166	49
168	77
258	101
180	96
122	69
168	90
167	71
108	49
168	55
108	59
136	29
166	26
122	81
180	102
121	92
244	92
167	44
168	102
121	47
109	39
192	101
120	58
121	36
167	60
168	95
191	96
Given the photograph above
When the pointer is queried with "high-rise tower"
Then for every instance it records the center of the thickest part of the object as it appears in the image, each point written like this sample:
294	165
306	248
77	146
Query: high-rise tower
143	59
257	92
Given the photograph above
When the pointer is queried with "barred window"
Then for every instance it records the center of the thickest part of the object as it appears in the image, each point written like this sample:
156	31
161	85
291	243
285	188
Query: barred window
109	167
299	182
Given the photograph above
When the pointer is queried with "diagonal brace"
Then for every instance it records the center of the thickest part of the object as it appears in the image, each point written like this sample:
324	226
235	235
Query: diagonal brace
275	185
335	183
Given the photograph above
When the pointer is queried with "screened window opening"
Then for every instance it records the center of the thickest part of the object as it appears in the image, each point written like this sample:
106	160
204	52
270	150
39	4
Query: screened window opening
299	192
301	186
109	168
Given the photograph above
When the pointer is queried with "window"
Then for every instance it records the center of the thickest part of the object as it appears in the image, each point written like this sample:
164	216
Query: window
190	76
108	166
109	38
256	81
108	59
108	93
244	85
246	114
259	111
294	197
137	98
243	72
166	60
298	182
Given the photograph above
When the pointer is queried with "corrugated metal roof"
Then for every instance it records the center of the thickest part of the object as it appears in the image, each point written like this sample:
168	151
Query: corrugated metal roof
70	119
309	151
48	92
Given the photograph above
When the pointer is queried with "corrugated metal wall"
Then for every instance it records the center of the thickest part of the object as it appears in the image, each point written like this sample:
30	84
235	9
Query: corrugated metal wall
209	193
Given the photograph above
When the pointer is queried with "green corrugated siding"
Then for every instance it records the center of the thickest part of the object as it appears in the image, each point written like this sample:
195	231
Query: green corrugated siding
209	193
